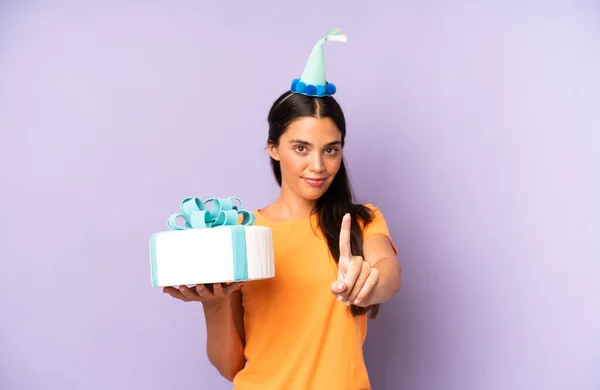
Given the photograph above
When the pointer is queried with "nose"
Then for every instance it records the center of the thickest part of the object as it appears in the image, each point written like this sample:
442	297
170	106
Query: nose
316	163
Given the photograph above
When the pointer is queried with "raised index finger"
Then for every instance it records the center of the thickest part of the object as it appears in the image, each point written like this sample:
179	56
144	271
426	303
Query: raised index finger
345	237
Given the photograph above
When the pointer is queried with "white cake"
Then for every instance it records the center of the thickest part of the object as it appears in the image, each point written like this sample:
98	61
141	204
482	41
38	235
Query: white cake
212	247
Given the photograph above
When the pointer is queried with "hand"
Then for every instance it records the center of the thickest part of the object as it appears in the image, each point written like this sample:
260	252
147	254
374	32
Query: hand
356	280
214	293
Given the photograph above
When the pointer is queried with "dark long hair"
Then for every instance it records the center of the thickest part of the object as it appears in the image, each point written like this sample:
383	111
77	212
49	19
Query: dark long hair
338	199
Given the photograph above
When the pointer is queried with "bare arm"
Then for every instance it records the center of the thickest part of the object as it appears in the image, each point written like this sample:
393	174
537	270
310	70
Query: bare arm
379	253
225	333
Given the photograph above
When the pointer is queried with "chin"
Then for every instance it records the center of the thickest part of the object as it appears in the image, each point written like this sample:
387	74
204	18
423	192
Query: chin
312	196
314	193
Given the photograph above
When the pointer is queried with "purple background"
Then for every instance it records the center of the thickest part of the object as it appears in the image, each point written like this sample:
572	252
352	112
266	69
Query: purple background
474	126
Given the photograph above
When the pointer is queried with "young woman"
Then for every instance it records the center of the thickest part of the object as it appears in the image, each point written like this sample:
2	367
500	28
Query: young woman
335	263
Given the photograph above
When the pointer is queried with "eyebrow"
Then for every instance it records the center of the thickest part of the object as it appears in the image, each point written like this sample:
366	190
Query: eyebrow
301	142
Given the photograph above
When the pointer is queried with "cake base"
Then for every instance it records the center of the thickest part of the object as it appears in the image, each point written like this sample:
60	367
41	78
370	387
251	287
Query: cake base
222	254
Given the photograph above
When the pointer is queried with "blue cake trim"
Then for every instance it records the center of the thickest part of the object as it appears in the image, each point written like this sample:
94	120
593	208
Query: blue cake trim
313	90
240	256
153	260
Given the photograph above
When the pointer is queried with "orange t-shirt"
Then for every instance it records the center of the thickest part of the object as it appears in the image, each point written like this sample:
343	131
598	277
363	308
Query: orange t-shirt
298	335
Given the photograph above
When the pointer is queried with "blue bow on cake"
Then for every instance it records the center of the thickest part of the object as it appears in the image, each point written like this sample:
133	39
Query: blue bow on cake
222	213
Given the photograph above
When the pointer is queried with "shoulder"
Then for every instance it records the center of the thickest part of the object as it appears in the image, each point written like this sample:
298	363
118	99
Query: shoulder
260	219
371	207
372	210
375	222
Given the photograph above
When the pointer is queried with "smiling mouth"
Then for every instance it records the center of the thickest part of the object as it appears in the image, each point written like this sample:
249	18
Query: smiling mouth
315	182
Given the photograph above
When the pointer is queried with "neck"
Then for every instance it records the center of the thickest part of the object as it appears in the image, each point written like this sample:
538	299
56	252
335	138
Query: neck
289	205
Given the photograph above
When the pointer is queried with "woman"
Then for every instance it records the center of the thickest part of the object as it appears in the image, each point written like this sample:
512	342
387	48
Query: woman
335	262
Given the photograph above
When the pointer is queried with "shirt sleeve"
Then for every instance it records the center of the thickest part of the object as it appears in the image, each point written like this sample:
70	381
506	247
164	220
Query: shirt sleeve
378	225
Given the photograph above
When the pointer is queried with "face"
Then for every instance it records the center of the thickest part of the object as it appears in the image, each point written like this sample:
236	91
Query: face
310	154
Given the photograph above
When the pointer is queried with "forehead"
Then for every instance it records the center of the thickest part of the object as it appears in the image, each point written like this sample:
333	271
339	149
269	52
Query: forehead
314	130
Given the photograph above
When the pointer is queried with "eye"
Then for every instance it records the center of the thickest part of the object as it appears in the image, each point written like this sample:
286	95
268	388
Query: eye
331	150
300	148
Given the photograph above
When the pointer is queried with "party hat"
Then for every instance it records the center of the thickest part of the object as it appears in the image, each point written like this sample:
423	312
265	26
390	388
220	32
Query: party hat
313	81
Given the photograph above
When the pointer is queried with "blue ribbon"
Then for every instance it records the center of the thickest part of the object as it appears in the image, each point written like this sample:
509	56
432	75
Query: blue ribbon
222	213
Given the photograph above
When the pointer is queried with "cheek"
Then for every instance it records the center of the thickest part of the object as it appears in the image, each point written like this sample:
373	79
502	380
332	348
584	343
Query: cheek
291	163
333	164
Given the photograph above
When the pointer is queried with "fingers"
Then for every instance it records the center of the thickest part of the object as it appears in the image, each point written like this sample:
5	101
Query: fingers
189	293
345	237
233	287
175	293
359	285
218	290
202	293
365	293
337	287
352	272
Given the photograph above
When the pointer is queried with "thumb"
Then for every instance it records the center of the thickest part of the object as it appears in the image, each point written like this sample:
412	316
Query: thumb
338	287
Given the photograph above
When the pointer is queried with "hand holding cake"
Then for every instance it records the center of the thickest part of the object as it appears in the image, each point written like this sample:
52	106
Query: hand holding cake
203	293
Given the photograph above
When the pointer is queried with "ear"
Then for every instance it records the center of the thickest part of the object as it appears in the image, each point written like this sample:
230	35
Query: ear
273	151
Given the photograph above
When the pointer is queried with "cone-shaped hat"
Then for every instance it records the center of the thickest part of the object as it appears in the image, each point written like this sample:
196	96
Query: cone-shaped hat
313	81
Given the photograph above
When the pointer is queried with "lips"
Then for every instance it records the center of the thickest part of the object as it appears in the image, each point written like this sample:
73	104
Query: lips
315	182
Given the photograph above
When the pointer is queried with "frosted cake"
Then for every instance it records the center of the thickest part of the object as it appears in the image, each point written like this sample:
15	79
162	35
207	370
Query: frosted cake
215	244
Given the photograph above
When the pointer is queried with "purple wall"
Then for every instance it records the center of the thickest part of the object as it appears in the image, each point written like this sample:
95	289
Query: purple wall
476	129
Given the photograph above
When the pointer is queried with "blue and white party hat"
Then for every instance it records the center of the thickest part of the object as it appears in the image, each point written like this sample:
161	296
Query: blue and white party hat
313	81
